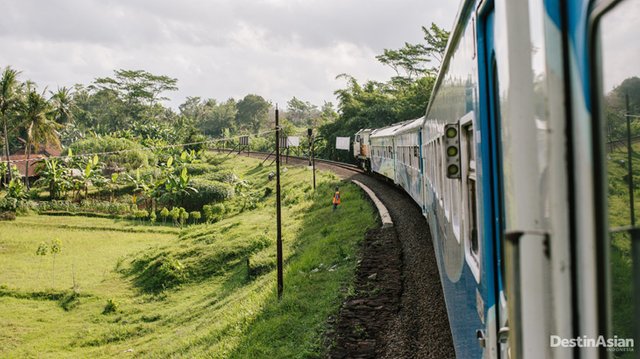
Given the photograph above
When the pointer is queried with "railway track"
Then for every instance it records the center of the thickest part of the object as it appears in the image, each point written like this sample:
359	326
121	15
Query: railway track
398	309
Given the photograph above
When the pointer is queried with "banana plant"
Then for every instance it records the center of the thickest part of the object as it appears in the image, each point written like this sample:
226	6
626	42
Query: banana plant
53	175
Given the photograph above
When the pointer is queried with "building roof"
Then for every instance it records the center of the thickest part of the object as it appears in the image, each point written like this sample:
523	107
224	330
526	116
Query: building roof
18	158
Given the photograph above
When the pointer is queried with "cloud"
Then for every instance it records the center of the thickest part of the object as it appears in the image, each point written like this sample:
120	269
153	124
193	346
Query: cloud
221	48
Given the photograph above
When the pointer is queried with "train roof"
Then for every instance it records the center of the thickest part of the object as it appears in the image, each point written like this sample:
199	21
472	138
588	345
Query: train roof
411	125
396	128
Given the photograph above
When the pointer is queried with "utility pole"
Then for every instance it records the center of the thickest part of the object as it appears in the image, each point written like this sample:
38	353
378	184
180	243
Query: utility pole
278	212
630	162
312	160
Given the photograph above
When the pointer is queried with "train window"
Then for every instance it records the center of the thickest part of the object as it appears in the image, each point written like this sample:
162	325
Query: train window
619	169
470	166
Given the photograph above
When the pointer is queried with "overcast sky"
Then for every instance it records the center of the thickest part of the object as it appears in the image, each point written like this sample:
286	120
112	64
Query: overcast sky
215	48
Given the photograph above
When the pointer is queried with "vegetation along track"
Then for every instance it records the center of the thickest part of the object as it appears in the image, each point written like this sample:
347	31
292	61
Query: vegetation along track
397	309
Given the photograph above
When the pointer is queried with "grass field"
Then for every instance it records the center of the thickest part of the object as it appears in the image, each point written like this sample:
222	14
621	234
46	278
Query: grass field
620	253
203	291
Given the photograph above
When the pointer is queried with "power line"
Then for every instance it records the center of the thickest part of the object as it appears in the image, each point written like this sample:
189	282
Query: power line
152	148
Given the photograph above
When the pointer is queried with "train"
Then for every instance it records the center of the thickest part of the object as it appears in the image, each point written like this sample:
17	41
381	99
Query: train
511	169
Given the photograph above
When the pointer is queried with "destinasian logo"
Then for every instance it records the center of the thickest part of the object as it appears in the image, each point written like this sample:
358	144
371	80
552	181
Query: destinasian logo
612	344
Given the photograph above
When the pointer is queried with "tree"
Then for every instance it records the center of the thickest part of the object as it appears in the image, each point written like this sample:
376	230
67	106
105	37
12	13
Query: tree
253	113
56	247
220	118
195	215
35	114
8	99
301	112
62	103
164	213
53	175
410	61
137	87
43	250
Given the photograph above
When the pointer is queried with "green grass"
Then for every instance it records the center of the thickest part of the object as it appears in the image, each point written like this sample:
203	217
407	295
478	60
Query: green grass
185	293
620	254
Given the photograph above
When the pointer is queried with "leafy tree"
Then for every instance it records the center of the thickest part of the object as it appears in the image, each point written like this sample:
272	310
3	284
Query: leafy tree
137	87
410	61
616	110
253	113
183	216
301	112
219	118
43	250
376	104
195	215
8	99
56	247
175	215
164	213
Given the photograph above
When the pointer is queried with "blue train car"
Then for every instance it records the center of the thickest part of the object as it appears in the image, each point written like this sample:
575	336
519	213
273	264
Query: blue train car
408	159
521	149
383	151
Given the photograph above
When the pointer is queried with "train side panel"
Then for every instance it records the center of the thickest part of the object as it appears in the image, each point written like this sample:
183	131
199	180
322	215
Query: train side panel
409	160
383	151
465	264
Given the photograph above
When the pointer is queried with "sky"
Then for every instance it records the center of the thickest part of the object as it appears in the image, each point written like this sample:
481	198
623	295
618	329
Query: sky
217	49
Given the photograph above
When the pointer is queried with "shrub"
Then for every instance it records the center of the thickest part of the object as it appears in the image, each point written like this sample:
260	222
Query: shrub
195	215
195	169
110	307
8	204
70	300
164	213
135	155
158	273
222	176
208	192
213	212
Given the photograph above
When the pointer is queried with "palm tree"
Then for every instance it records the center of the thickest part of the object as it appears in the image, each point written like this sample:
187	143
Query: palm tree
62	104
8	86
36	116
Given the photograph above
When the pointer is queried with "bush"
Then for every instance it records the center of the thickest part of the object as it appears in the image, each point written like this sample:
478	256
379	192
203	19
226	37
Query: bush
222	176
135	156
8	208
156	274
8	204
213	212
208	192
195	215
110	307
195	169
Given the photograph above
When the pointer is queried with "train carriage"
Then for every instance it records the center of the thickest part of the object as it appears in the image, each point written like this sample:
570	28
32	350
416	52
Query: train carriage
362	149
383	152
526	186
408	141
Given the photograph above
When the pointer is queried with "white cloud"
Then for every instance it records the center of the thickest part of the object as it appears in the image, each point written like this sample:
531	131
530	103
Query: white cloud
220	49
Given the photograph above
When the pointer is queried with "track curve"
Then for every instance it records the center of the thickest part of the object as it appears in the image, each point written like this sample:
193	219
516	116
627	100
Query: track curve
398	310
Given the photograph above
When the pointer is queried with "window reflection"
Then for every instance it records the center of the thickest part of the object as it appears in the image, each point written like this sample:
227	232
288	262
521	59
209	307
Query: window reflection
620	78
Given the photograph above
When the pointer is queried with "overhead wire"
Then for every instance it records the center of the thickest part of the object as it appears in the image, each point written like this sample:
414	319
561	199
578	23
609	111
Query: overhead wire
150	148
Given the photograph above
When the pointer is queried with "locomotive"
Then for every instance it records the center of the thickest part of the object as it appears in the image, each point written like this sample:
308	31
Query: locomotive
530	209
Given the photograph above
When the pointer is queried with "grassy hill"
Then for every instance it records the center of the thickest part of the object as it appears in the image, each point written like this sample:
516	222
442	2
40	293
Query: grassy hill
621	258
127	288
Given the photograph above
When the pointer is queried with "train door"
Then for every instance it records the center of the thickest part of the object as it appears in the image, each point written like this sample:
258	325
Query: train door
493	336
